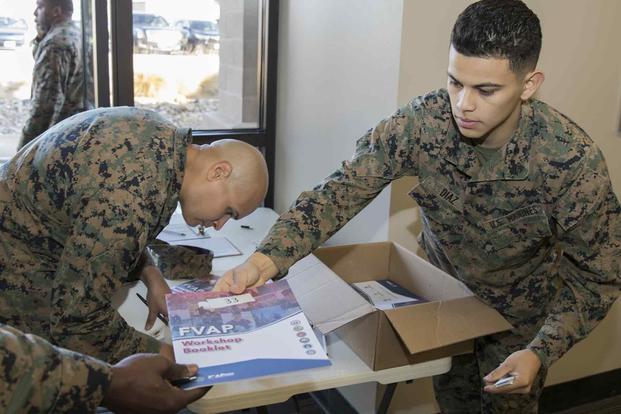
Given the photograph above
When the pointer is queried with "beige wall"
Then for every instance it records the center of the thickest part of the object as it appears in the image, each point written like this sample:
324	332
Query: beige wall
344	65
338	68
581	58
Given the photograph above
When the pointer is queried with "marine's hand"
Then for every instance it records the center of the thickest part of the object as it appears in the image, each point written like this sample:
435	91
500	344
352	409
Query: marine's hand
255	271
157	288
523	364
140	385
167	351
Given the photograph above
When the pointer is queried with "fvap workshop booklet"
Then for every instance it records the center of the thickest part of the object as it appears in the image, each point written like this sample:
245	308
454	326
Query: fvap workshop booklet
258	333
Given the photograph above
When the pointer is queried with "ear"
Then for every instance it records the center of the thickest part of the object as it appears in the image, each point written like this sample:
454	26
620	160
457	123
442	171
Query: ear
532	82
220	170
57	11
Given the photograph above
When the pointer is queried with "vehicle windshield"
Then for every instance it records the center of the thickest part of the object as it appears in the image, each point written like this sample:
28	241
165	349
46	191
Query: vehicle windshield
9	22
204	26
150	20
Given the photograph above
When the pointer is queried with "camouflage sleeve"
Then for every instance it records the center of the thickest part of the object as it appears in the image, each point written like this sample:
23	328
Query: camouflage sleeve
146	259
47	92
589	260
383	154
37	377
181	262
107	240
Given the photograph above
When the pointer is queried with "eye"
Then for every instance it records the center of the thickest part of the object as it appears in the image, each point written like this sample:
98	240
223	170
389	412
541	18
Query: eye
454	83
486	92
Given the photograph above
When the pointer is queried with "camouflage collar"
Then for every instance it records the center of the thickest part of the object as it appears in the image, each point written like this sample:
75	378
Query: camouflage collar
181	141
515	153
57	27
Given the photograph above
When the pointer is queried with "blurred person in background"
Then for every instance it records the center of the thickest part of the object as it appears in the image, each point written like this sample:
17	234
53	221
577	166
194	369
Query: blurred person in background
58	87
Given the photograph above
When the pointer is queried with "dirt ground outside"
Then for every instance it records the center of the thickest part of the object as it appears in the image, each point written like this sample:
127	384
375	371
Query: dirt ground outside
183	88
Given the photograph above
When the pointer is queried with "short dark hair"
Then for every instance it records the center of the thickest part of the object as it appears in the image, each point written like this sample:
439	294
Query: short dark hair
65	5
505	29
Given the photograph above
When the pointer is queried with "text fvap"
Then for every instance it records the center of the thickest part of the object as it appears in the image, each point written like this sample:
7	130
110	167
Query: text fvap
204	330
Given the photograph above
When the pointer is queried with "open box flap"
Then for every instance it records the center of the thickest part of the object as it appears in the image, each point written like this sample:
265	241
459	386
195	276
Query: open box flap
440	323
326	299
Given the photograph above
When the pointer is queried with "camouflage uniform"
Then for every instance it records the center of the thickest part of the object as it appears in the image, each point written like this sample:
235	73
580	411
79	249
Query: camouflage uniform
36	377
77	210
180	262
534	232
57	80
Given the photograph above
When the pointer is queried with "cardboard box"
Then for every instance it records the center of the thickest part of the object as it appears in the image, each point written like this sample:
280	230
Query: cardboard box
444	325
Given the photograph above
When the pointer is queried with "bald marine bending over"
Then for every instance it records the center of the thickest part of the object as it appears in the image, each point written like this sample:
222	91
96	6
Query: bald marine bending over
80	204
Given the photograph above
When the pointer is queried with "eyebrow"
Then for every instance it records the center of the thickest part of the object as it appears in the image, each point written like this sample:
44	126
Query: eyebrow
480	85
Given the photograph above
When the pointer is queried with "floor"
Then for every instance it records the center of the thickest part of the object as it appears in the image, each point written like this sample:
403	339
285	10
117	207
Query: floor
607	406
303	404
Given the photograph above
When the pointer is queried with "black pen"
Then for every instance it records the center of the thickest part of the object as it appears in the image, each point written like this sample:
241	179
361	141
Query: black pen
182	381
160	316
177	233
245	226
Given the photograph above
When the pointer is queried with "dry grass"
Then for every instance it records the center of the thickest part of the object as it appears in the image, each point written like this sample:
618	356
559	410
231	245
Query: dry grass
148	86
8	89
208	88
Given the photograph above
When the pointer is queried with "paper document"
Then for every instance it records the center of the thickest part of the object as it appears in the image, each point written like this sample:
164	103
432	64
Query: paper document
196	285
261	332
203	284
180	234
385	294
180	231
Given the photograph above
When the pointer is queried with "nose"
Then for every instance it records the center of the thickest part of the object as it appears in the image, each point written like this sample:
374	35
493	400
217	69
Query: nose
465	102
218	224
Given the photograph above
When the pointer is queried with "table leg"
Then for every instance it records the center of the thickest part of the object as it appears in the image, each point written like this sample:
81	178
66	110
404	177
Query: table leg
331	402
387	398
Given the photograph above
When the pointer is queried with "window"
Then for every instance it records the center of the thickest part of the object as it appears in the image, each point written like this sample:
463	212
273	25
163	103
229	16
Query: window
17	31
205	64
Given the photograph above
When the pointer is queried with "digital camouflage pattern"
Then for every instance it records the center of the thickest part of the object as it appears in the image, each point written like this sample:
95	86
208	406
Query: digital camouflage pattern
36	377
459	390
58	87
77	209
180	262
533	232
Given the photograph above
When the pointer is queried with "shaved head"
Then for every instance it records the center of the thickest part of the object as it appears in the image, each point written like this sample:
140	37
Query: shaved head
222	180
249	167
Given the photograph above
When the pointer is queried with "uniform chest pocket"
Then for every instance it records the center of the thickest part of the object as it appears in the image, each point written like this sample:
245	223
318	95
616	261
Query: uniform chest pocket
439	203
517	234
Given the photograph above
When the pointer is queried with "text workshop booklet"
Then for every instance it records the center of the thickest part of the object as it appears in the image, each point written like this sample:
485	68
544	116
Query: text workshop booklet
260	332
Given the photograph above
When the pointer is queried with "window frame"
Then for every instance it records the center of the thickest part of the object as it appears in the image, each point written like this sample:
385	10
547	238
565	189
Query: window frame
121	86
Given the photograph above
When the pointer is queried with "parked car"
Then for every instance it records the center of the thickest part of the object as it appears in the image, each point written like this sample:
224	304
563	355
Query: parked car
12	32
153	34
199	36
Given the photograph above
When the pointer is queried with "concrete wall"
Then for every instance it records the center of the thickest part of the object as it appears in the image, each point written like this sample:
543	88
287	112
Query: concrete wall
582	63
338	68
238	105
